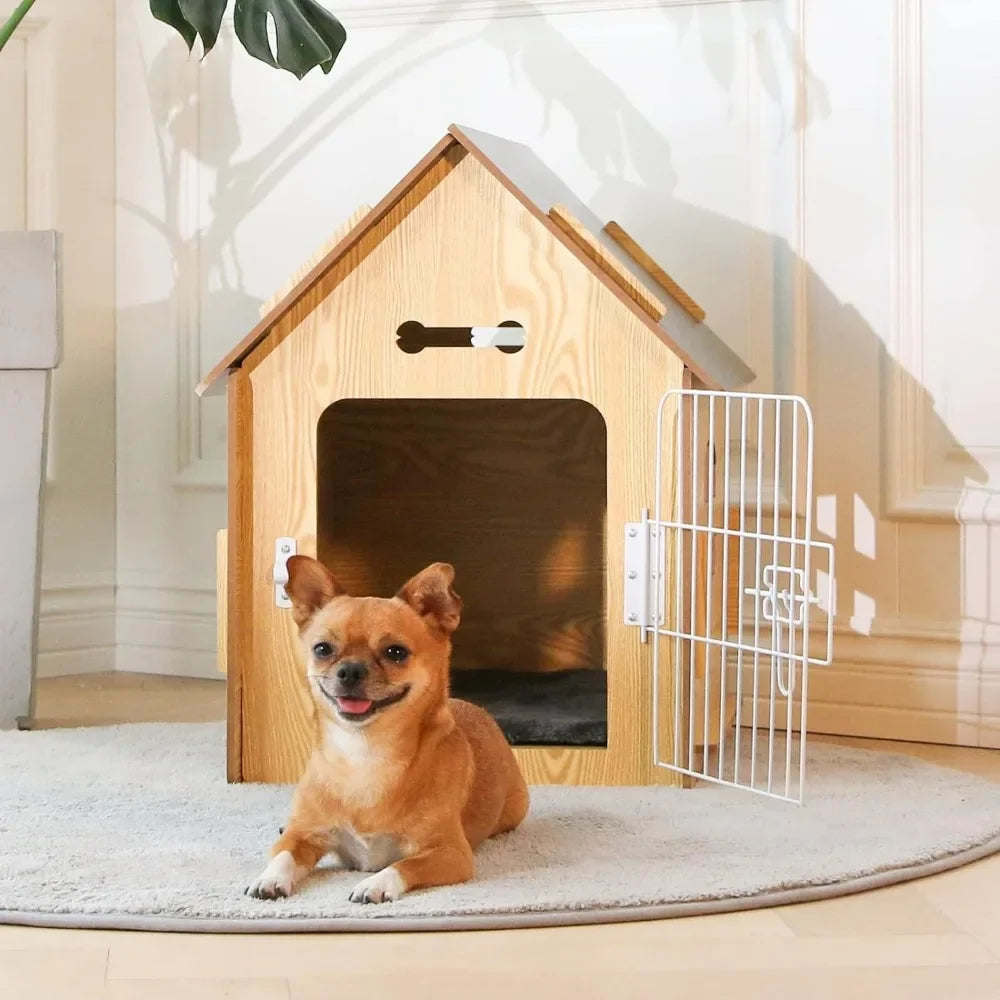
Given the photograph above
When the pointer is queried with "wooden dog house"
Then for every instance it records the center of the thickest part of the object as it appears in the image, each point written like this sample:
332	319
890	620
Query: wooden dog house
470	373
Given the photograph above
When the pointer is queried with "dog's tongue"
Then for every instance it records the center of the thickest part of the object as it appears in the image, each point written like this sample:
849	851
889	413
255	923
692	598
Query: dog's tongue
354	706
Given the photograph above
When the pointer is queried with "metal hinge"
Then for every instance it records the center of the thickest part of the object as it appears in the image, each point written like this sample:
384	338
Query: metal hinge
643	566
283	548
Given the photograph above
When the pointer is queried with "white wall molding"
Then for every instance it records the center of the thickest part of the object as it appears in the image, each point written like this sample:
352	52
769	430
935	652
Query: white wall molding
907	641
359	13
162	630
908	679
908	496
29	27
76	629
202	474
35	34
917	642
355	14
922	702
33	148
194	471
902	426
130	580
799	363
40	124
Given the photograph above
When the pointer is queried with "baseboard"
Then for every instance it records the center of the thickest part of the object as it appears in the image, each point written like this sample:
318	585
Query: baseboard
167	662
76	630
911	679
166	631
945	704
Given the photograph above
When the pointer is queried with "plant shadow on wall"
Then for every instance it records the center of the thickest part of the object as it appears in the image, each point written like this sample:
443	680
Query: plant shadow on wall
207	193
849	368
635	181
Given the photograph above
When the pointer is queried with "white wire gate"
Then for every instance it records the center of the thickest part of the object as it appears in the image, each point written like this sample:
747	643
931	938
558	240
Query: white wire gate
721	580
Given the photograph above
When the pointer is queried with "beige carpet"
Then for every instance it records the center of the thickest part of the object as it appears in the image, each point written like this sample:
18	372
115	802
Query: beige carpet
135	826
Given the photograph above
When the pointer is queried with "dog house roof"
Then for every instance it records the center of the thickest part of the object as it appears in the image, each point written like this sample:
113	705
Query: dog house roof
608	252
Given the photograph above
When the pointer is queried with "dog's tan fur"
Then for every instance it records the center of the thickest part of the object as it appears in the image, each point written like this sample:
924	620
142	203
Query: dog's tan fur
422	781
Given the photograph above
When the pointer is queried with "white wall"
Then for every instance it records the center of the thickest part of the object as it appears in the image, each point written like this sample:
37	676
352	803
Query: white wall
57	96
816	172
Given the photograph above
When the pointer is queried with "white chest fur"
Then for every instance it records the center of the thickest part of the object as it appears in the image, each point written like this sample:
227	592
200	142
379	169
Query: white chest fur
367	853
352	744
363	773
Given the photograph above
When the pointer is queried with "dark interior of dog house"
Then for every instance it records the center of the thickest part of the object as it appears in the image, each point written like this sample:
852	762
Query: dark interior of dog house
512	493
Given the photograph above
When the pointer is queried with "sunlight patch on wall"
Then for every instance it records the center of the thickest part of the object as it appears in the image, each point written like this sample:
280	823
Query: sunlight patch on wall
864	613
826	591
826	515
979	564
864	528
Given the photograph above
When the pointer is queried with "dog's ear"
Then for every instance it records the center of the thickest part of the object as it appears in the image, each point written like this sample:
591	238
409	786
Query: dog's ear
310	586
430	594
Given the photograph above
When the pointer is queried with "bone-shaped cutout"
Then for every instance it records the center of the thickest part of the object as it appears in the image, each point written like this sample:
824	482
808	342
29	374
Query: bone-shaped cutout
412	336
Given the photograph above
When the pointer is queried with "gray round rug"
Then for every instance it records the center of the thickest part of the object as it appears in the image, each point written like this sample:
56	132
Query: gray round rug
134	826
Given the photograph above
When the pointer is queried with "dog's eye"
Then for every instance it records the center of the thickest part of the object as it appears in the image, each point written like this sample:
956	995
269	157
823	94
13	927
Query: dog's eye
396	653
322	650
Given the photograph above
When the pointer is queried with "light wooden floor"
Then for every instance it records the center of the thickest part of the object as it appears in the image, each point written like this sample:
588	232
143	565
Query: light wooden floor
936	938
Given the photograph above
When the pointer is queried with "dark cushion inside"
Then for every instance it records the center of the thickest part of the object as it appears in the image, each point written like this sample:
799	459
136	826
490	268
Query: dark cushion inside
563	708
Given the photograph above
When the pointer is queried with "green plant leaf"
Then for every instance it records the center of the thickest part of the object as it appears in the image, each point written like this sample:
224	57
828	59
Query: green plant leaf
169	12
306	34
8	27
205	16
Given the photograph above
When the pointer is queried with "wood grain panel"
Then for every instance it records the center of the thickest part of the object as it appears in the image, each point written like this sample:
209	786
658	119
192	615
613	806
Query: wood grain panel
463	252
240	568
674	682
586	242
656	272
511	492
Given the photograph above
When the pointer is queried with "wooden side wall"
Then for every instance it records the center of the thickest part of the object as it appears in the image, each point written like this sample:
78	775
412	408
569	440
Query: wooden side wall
242	579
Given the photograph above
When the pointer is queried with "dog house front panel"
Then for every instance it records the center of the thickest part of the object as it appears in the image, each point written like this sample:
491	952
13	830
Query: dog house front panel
494	262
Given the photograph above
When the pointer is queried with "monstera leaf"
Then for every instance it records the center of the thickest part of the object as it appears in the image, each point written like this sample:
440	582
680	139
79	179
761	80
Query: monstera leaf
306	34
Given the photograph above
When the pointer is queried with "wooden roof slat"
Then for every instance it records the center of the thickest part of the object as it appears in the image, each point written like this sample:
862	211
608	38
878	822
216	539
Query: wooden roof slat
582	237
644	260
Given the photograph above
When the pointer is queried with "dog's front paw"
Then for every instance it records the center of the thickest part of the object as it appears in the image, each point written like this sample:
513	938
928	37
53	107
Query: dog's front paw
382	887
276	880
267	887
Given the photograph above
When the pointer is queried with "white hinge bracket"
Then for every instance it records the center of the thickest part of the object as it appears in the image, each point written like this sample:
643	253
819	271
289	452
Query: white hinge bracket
643	559
283	548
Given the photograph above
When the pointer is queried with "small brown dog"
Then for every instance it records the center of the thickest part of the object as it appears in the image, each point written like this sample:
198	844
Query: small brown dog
403	781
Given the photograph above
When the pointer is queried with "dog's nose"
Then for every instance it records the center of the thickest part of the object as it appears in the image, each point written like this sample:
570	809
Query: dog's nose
351	673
